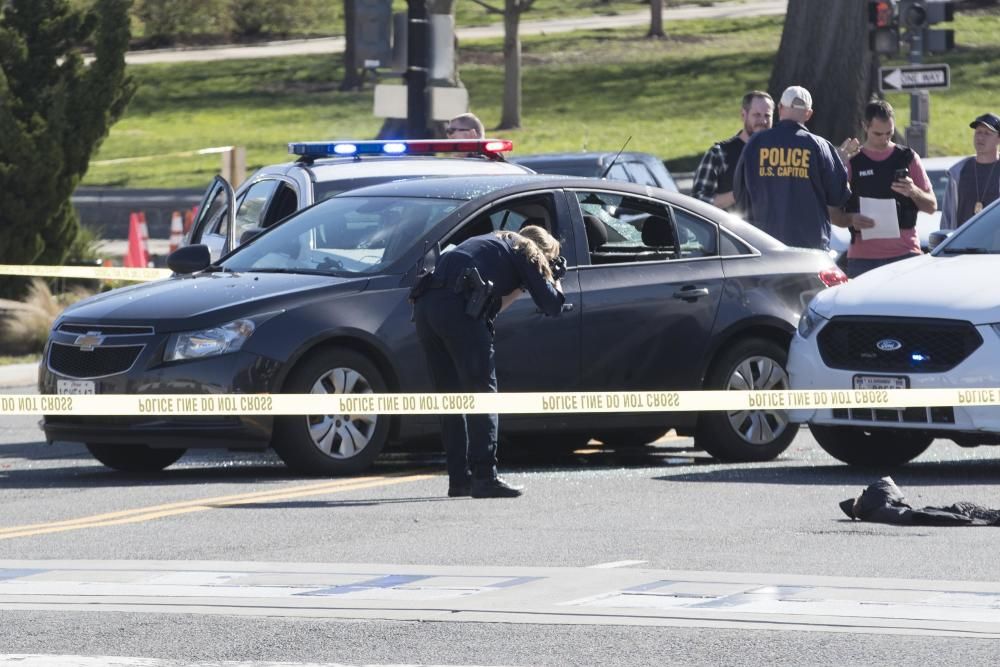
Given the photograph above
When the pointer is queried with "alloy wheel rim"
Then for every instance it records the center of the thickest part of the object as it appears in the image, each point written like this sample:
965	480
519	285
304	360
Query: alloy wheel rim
758	427
341	436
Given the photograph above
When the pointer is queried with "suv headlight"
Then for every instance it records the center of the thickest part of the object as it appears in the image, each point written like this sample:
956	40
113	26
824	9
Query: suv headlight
218	340
808	322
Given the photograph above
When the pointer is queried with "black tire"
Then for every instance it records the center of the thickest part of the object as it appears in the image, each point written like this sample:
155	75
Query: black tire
754	435
632	438
332	444
135	458
866	449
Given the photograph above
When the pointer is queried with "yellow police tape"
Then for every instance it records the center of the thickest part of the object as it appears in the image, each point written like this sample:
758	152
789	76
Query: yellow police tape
501	403
92	272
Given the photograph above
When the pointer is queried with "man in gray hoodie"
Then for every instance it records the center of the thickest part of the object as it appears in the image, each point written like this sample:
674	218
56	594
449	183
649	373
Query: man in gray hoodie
974	182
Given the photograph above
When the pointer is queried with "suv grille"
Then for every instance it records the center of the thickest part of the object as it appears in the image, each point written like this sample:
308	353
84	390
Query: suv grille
922	345
72	361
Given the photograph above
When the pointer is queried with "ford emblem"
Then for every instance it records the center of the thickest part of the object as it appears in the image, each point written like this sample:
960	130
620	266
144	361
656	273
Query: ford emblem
888	345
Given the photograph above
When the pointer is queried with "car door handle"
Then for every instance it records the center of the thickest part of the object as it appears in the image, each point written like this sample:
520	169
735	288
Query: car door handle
691	293
566	307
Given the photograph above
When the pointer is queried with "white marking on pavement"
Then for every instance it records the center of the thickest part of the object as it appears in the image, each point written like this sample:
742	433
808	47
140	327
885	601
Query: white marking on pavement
614	564
549	595
39	660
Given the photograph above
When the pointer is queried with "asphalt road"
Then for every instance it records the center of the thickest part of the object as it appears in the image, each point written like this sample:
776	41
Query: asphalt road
657	556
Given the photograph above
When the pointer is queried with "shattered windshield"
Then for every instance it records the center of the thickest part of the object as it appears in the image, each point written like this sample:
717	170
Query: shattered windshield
343	236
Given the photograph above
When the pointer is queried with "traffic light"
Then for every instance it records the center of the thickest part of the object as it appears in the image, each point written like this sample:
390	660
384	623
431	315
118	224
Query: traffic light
883	27
917	15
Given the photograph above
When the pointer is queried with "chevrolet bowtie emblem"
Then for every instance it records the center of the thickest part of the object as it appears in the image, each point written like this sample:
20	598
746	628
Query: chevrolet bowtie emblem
89	341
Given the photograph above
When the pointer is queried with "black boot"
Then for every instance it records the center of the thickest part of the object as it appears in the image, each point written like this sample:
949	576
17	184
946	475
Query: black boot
460	488
493	487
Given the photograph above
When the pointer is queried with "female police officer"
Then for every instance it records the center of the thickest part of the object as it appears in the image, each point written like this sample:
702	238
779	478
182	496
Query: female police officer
454	309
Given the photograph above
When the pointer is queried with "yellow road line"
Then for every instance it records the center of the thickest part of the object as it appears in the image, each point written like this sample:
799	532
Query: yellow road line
141	514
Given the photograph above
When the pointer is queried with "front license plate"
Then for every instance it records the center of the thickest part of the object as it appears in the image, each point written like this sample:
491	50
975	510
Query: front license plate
75	387
881	382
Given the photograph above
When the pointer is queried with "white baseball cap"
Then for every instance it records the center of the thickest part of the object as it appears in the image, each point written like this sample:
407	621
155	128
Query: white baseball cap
796	97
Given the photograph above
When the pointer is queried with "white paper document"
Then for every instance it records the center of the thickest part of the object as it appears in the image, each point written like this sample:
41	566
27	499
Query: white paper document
883	212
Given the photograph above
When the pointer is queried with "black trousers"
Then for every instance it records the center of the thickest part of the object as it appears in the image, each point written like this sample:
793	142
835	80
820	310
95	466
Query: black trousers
460	354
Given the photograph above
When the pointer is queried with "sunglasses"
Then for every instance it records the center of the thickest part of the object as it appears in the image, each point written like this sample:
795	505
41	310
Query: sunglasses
453	130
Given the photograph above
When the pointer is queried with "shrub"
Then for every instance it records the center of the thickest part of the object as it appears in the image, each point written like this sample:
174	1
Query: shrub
164	21
25	325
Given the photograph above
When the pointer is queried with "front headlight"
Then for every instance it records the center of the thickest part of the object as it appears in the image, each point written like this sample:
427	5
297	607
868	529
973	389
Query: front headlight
218	340
808	322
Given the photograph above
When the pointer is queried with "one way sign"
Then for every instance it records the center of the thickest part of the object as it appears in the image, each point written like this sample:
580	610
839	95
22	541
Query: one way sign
914	77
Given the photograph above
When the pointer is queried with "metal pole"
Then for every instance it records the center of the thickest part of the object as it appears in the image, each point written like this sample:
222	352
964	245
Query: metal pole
916	133
417	65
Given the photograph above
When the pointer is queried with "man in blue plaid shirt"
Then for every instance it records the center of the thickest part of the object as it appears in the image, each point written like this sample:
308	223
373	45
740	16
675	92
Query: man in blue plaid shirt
713	181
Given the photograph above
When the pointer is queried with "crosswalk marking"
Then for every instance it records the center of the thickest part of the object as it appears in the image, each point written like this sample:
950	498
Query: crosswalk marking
602	596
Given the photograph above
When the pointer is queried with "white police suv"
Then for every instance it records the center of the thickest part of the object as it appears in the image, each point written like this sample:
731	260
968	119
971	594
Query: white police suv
928	322
325	168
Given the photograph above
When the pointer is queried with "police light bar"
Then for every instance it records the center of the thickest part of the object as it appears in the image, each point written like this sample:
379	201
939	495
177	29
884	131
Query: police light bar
319	149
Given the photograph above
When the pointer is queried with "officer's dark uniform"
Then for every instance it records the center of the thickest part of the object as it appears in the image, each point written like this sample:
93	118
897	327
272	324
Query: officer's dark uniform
459	348
786	179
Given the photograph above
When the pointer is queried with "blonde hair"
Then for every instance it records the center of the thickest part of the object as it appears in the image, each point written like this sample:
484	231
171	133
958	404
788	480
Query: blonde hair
537	244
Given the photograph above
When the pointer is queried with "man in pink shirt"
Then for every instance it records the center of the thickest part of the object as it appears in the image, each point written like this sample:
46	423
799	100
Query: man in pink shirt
882	170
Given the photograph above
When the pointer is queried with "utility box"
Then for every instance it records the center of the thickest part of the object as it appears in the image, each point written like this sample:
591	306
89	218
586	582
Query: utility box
373	31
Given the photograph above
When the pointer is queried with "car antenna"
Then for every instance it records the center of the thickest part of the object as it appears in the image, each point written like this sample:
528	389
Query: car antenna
603	175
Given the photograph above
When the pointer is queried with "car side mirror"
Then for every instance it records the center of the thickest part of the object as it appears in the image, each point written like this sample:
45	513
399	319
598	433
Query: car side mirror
937	237
189	259
250	234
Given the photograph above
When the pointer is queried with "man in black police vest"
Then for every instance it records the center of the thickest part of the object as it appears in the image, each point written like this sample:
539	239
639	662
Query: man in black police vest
884	170
713	181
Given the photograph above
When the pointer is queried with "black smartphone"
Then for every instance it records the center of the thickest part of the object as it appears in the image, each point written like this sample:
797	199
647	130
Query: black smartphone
901	174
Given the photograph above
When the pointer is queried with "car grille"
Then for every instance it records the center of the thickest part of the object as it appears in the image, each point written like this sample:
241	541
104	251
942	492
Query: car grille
924	345
106	329
915	415
72	361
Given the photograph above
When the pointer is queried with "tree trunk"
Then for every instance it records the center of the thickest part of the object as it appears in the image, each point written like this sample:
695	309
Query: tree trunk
510	117
656	19
824	47
352	72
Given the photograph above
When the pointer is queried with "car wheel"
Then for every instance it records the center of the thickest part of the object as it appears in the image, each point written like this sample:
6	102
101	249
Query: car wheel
747	435
135	458
631	438
857	447
333	444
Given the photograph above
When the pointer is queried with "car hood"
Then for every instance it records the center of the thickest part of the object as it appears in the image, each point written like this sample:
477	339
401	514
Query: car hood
187	300
925	286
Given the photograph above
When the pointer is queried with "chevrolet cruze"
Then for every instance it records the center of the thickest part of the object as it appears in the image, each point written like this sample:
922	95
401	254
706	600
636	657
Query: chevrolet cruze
663	292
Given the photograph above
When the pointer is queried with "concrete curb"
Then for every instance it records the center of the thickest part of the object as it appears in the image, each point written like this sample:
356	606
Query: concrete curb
18	375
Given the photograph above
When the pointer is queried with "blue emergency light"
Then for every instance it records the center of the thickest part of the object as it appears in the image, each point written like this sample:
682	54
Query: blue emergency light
320	149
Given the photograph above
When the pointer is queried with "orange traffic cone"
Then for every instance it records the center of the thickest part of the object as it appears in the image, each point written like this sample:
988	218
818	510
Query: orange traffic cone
144	228
136	257
176	231
189	218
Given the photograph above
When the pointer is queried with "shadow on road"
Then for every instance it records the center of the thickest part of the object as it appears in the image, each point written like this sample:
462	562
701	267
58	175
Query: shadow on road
920	473
334	504
36	465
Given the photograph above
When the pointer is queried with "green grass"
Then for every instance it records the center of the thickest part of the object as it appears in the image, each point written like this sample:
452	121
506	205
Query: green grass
583	90
26	359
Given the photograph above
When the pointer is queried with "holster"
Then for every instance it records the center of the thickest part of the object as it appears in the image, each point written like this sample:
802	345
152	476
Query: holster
478	292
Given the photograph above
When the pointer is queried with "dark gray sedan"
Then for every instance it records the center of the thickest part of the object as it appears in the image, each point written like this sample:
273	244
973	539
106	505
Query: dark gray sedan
663	292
